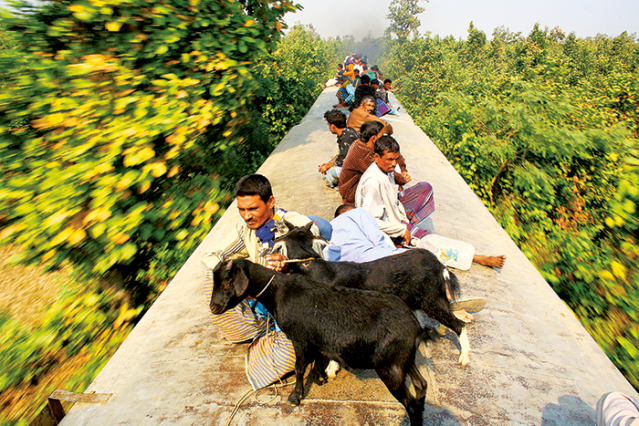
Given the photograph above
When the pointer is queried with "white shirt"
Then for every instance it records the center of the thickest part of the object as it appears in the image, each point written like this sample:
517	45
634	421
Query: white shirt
378	194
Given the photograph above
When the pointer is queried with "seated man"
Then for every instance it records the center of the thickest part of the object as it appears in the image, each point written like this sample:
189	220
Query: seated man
336	121
271	354
359	157
366	112
382	95
362	91
378	194
359	239
345	94
356	78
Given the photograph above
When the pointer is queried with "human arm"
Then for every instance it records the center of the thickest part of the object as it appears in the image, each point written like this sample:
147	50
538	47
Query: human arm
402	178
323	168
387	129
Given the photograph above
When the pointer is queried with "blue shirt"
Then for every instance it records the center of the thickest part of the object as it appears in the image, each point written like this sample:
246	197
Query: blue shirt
359	237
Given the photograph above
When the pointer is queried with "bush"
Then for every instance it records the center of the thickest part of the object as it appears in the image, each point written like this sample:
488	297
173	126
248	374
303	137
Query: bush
126	107
544	129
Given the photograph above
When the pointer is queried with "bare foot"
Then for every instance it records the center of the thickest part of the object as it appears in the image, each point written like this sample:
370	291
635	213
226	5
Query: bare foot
464	316
323	86
490	261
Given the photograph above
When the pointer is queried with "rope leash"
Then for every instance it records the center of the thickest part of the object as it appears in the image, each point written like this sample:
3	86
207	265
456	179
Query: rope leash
298	260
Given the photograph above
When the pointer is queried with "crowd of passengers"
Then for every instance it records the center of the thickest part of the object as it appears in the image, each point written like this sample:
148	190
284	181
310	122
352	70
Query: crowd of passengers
380	215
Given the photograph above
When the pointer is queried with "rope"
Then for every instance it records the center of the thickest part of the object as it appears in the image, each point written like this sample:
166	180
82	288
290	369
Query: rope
250	393
265	287
298	260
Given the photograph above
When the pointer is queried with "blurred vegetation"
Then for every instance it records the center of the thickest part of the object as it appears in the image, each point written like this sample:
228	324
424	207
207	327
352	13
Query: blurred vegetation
123	128
544	129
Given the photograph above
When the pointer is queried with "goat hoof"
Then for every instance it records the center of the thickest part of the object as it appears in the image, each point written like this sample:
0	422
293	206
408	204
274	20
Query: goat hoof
332	369
321	379
294	399
464	360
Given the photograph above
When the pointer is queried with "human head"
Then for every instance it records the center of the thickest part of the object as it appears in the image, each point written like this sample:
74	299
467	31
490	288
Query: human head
356	71
364	66
369	104
343	209
365	79
387	84
375	83
255	200
370	129
336	119
375	68
340	66
386	153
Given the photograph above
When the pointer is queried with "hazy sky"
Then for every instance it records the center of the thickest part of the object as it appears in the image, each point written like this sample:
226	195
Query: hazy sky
586	18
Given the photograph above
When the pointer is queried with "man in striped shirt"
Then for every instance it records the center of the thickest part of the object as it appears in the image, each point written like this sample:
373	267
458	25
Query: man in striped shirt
270	354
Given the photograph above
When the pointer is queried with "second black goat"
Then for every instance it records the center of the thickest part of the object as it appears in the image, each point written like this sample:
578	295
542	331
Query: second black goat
416	276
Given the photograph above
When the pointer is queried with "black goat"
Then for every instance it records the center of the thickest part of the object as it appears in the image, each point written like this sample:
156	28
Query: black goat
360	329
416	276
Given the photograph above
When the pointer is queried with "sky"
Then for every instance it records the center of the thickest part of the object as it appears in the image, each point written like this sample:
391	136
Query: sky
586	18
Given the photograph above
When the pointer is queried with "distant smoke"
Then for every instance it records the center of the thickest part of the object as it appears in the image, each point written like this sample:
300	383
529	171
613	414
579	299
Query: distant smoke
332	18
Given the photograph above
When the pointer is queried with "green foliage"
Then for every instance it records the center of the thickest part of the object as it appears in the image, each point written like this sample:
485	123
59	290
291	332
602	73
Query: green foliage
126	107
290	78
403	17
544	129
81	327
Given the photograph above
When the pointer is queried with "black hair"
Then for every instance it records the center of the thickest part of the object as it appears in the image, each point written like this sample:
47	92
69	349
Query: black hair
336	117
388	80
374	81
365	79
343	209
340	66
375	68
369	129
254	185
385	143
362	91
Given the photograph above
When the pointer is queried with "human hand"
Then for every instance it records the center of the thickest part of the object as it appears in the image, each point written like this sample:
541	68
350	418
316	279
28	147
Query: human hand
323	168
407	237
275	262
406	176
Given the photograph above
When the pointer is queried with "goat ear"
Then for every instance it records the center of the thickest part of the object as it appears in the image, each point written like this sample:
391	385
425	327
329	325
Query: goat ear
289	225
240	282
309	225
321	241
229	265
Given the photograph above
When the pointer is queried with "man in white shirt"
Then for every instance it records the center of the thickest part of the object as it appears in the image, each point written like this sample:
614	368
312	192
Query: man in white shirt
378	193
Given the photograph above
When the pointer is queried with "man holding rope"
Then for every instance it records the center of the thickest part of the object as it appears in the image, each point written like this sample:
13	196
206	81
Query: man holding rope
270	354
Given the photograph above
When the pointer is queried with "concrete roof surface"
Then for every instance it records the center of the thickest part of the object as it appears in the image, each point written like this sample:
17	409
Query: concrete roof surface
532	362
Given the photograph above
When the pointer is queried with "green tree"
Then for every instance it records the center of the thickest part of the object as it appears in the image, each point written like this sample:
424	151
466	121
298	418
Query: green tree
126	108
403	17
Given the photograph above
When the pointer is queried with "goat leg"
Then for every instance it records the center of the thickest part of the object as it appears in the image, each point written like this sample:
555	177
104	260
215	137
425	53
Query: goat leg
441	312
319	369
394	377
300	368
